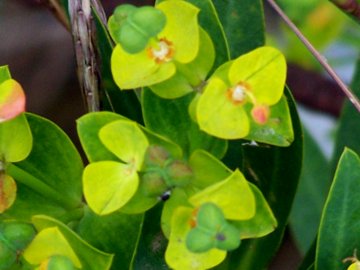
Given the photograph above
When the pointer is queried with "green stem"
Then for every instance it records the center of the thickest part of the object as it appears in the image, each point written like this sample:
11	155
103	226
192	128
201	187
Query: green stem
40	187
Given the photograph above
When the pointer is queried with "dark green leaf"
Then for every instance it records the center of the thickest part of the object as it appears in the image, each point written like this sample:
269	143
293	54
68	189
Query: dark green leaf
170	118
49	179
311	195
116	233
339	228
243	22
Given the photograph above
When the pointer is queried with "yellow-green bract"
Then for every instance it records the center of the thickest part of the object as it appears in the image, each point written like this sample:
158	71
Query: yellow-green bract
255	79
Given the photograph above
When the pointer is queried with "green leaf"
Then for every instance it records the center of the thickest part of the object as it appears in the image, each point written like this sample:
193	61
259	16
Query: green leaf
178	255
56	188
233	195
349	123
115	233
126	140
151	244
276	171
207	169
243	22
12	100
339	230
15	139
312	191
88	127
177	118
109	185
262	223
4	73
49	242
89	257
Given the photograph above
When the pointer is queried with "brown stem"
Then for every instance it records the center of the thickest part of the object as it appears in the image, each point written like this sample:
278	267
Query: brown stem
349	6
353	99
82	28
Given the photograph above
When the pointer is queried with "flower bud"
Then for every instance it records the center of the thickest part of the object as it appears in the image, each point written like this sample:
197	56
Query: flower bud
19	234
7	256
180	174
210	216
260	114
153	184
228	238
198	241
156	156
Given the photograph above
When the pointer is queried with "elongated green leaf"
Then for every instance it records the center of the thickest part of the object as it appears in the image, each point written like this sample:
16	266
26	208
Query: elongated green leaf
90	258
169	117
49	179
349	123
4	73
243	22
15	139
310	197
339	227
276	172
152	243
116	233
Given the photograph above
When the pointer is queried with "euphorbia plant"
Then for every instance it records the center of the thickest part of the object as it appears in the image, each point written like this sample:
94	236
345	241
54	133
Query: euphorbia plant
207	173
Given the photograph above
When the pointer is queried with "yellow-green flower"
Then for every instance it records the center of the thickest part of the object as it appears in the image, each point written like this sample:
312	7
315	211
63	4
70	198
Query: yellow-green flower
177	43
241	91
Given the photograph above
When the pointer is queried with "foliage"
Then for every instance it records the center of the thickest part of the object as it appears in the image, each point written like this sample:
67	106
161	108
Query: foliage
202	175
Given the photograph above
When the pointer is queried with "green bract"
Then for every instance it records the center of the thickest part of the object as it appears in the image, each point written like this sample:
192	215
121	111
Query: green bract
256	78
233	195
8	191
109	185
47	243
177	42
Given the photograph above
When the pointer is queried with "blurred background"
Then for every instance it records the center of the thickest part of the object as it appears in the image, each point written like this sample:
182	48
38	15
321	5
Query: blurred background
39	52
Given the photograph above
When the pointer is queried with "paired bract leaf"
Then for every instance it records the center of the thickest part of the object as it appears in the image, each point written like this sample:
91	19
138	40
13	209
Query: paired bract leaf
89	257
264	221
177	42
242	92
12	100
233	195
178	255
7	191
47	243
126	140
109	185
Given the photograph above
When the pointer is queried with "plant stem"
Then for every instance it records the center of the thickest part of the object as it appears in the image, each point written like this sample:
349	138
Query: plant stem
353	99
350	7
41	188
82	29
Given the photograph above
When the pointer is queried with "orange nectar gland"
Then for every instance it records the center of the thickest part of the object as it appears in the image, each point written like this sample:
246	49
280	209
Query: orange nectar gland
260	114
162	51
239	94
192	221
